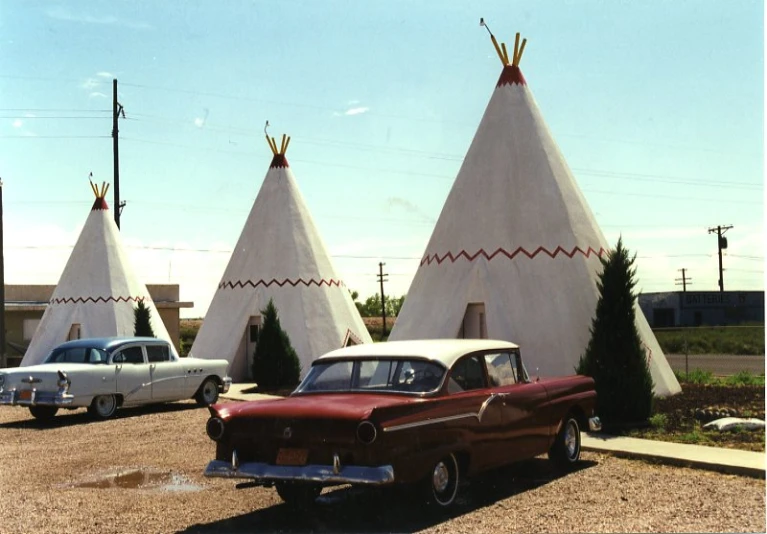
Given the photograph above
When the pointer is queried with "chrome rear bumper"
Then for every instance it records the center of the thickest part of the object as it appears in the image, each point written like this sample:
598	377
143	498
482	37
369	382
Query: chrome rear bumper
595	425
37	398
323	474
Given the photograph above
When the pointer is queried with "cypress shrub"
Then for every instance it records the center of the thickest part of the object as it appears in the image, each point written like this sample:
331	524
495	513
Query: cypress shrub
275	362
614	356
142	320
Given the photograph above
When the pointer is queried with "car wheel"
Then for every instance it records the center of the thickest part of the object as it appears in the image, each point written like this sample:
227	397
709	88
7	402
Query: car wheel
566	450
443	482
103	406
43	413
208	392
300	495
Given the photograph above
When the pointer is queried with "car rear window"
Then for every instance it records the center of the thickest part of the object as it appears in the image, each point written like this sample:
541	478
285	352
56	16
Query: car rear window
77	355
394	375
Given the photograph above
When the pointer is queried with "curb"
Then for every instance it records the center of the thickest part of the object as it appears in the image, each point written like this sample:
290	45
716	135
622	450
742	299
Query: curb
729	461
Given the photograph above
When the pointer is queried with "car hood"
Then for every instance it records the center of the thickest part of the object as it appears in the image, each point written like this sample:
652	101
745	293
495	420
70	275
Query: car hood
348	406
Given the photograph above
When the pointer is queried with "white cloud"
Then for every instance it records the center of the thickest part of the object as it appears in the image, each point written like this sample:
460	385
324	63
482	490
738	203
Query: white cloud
200	121
105	74
18	123
60	13
96	94
91	83
356	111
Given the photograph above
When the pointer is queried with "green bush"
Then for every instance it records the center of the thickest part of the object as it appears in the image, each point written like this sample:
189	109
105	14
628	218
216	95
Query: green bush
614	356
142	320
275	362
659	421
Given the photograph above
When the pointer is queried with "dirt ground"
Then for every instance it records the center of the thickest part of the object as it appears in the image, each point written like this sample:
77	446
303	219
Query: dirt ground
697	404
142	472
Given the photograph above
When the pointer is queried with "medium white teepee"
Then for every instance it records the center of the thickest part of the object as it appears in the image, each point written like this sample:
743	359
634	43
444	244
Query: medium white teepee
97	292
515	252
279	256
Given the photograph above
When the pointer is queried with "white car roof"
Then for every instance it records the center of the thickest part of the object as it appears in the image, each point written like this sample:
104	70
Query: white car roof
445	351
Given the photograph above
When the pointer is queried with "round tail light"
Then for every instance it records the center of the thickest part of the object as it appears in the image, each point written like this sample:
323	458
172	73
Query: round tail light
366	432
215	428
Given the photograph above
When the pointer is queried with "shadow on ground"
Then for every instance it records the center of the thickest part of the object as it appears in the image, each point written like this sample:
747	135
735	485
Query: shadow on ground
81	417
357	510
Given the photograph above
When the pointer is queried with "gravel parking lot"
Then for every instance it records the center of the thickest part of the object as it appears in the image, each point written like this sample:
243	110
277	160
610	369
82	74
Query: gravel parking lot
142	472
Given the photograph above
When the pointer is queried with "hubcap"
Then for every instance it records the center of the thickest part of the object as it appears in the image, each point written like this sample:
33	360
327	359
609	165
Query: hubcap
210	390
105	404
571	440
440	477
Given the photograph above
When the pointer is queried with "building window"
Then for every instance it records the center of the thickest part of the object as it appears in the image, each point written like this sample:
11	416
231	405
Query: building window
29	327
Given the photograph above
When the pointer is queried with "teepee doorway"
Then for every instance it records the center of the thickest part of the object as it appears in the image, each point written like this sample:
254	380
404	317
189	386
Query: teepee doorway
474	324
74	331
251	340
254	328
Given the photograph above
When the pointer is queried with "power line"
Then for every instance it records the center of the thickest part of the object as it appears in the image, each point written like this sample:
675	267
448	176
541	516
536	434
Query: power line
52	110
55	136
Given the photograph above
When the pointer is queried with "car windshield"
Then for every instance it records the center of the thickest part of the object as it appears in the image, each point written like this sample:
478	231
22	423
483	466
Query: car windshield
380	374
77	355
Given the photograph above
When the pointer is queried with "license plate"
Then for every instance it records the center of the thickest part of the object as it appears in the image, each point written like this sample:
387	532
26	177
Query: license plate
292	456
25	395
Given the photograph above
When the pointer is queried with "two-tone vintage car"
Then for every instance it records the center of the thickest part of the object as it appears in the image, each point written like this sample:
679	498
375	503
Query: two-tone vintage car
104	374
422	413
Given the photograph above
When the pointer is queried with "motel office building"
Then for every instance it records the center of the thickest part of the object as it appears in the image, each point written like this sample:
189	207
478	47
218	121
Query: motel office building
702	308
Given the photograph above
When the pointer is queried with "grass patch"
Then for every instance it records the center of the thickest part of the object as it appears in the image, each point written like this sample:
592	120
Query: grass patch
701	377
746	339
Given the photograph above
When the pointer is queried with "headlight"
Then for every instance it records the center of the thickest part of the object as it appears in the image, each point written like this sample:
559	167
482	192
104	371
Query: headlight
215	428
366	432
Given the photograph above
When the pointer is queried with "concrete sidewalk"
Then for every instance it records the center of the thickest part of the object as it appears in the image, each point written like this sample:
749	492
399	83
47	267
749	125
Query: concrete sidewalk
710	458
239	392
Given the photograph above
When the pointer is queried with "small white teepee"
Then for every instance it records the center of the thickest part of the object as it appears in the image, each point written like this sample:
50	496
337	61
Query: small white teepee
515	252
97	292
280	256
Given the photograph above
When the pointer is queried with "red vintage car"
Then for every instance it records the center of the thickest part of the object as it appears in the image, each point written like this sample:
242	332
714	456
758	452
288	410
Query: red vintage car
410	413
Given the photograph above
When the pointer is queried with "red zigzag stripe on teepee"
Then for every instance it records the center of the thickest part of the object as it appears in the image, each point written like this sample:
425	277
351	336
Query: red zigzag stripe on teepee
280	283
432	258
95	300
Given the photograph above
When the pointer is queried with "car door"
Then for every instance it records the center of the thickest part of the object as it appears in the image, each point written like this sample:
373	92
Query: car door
469	393
166	373
522	403
132	376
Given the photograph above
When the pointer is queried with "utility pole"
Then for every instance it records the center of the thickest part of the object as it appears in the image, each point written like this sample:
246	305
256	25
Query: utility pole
117	110
721	243
683	280
382	279
3	361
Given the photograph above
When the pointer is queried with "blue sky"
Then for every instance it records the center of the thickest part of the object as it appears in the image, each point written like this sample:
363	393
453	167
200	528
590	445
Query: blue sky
657	106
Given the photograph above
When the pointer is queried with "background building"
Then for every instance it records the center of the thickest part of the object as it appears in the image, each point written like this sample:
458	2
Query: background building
25	304
698	308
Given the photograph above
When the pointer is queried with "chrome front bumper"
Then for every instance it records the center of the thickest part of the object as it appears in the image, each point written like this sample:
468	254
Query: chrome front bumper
595	425
226	383
37	398
323	474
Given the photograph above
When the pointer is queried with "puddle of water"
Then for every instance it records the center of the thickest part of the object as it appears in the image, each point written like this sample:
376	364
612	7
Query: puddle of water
143	479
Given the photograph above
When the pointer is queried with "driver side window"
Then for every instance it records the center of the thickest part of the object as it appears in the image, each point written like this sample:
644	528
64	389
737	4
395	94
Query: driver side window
467	374
129	355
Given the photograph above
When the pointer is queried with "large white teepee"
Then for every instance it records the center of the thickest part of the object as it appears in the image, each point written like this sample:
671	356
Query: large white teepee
97	291
279	256
515	252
